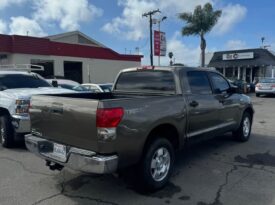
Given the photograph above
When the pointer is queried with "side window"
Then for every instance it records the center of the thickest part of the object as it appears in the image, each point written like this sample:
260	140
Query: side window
219	83
199	83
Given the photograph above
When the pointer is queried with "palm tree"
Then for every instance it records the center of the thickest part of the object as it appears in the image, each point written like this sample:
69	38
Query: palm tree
200	22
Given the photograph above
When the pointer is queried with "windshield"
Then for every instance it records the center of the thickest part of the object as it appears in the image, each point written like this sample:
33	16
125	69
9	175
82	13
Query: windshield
146	81
106	88
267	80
12	81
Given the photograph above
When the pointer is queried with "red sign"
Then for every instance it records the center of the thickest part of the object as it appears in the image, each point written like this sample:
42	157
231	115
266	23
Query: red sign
159	43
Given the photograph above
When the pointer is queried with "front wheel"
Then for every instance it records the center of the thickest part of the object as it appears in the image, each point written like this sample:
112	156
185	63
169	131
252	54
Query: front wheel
156	165
243	132
6	131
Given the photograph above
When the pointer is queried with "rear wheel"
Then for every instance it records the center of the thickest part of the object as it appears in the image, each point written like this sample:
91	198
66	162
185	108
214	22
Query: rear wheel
243	133
156	165
6	131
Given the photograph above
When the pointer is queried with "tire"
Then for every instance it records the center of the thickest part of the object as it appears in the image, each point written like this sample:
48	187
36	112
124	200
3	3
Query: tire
243	132
257	95
156	165
6	132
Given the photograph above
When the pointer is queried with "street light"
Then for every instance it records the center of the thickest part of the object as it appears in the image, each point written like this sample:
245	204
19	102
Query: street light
158	21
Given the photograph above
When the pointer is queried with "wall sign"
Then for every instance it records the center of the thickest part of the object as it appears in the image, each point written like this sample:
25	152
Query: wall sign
238	56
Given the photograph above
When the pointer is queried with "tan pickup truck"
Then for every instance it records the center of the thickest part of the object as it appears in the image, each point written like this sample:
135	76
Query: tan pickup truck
151	112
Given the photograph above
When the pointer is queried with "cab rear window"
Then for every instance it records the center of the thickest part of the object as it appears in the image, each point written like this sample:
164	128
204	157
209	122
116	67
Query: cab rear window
146	81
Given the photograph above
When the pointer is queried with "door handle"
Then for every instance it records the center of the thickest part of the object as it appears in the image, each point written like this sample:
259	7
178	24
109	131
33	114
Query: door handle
194	103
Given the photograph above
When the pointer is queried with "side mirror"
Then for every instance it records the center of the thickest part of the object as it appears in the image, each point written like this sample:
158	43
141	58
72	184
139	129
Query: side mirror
55	83
217	91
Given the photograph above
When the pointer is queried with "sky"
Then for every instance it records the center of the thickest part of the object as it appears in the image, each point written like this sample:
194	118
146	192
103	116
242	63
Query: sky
119	24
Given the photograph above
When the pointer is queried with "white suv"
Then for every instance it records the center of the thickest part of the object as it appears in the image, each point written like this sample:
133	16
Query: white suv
17	85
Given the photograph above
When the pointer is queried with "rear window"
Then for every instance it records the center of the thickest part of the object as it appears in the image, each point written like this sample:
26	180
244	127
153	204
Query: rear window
146	81
11	81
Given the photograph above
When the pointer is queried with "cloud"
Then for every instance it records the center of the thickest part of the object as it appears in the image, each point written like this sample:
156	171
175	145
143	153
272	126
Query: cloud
21	26
231	15
132	26
3	26
6	3
68	14
235	45
183	53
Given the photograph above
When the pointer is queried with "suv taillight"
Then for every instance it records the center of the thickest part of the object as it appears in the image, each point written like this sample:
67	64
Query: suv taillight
273	86
108	117
258	85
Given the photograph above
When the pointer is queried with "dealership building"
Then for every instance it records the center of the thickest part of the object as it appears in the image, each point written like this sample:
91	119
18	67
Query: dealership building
72	55
248	64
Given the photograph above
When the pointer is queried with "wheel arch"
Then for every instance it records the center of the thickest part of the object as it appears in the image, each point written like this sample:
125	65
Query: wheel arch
4	111
166	130
250	111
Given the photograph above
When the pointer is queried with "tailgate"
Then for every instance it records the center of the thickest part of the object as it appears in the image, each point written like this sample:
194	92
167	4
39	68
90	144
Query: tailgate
70	121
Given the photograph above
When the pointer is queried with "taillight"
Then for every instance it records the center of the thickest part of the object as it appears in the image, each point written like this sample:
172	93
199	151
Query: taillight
108	117
273	86
258	85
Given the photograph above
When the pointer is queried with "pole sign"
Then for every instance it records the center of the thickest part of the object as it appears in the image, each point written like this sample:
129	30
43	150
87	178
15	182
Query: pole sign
159	43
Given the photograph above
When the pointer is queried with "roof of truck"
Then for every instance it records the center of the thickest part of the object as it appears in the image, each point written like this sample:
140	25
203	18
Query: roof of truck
167	68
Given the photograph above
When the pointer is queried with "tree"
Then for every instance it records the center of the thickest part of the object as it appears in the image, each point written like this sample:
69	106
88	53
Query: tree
200	22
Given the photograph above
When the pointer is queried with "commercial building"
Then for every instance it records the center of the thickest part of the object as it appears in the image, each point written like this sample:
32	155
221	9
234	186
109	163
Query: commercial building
248	64
72	55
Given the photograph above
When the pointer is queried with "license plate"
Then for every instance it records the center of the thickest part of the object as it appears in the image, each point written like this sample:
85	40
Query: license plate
265	88
60	151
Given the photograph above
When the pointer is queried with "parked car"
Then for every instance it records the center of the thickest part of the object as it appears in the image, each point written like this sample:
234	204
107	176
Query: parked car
68	84
151	113
99	88
242	85
16	88
265	86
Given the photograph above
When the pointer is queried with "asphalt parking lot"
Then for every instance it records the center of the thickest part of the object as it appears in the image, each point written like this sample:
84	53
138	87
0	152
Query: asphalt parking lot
216	172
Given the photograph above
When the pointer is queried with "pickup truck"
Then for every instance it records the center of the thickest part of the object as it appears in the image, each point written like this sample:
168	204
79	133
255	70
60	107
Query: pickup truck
17	85
151	113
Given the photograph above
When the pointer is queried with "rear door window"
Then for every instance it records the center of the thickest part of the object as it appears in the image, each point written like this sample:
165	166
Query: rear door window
198	82
146	81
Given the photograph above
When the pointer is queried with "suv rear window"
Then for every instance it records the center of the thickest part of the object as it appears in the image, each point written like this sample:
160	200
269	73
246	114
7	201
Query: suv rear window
12	81
146	81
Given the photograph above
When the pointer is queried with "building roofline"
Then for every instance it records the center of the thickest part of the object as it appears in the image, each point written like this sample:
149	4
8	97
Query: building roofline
44	46
75	32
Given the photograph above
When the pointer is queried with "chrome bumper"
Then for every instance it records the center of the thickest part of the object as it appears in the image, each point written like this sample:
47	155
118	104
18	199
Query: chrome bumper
77	159
21	124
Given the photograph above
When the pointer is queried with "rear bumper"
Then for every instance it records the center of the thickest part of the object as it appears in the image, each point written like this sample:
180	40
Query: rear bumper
77	159
271	91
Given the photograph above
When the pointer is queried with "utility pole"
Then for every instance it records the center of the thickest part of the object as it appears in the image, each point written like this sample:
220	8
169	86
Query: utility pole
150	13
